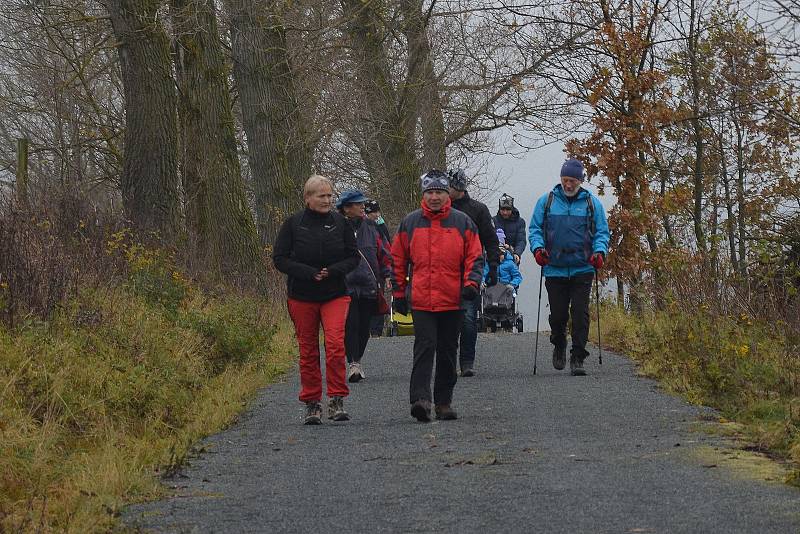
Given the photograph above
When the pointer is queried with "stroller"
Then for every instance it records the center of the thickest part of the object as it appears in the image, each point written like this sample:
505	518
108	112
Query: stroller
399	324
499	309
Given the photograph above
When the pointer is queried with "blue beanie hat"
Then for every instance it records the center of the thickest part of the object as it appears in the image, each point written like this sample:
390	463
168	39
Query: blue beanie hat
574	169
501	235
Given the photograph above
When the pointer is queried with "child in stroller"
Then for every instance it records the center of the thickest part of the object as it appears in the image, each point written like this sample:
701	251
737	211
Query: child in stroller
499	302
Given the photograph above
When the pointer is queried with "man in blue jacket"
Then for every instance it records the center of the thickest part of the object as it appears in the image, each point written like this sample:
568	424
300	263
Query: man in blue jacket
569	238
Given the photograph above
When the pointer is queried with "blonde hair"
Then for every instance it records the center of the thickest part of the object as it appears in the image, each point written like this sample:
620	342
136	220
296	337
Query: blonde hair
314	183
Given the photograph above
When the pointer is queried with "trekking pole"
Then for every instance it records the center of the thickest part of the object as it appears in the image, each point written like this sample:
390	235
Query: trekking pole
538	314
597	298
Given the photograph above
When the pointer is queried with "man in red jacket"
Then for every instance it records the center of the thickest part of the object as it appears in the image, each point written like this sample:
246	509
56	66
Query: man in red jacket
440	250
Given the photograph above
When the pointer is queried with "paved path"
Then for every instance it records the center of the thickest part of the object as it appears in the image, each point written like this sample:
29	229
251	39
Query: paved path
546	453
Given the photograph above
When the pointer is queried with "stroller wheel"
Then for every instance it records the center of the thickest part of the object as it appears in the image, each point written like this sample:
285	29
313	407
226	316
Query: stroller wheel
519	325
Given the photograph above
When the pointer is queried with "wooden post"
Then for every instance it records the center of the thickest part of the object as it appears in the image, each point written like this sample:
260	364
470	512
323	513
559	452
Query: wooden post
22	170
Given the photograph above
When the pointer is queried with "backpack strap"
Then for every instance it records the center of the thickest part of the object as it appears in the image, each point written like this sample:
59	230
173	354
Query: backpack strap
550	197
590	213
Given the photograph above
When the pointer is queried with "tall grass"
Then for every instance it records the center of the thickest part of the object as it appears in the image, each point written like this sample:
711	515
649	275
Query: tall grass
113	362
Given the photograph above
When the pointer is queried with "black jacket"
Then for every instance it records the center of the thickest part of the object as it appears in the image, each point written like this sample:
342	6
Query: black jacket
375	266
309	241
515	229
480	215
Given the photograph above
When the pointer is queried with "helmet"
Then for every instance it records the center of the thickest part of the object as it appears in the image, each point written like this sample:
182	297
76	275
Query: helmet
506	201
371	206
458	179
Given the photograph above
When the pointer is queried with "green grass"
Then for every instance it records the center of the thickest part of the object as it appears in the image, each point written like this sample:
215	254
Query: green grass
98	402
748	370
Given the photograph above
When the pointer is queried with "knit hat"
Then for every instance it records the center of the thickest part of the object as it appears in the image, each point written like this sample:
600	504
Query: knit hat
458	179
351	196
506	201
501	236
574	169
434	179
371	206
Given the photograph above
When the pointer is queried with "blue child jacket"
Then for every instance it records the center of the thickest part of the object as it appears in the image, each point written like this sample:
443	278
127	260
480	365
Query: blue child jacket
569	239
507	272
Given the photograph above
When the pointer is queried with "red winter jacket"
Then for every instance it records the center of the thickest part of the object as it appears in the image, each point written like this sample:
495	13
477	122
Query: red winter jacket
441	252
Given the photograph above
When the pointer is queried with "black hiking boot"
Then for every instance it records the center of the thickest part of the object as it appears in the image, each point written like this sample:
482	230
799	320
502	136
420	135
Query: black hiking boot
313	414
421	410
559	357
445	413
468	371
336	410
576	367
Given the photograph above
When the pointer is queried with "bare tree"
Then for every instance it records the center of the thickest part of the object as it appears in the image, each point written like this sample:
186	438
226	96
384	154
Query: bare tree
150	169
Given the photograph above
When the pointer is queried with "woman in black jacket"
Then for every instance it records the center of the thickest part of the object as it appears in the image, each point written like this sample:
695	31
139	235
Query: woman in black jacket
316	248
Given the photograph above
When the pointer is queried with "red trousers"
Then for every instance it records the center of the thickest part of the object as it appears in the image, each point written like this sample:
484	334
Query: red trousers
307	317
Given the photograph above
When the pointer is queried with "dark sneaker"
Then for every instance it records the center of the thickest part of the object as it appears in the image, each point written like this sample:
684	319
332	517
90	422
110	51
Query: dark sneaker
313	413
576	367
467	371
445	413
336	409
421	410
559	357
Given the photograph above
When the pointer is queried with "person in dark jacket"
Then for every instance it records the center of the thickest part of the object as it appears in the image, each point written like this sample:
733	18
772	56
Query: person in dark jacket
440	249
372	209
479	213
316	248
365	282
513	225
569	239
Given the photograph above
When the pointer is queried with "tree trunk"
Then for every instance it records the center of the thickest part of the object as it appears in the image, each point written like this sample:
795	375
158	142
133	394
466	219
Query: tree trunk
423	86
730	223
742	210
697	127
216	207
149	169
388	119
277	140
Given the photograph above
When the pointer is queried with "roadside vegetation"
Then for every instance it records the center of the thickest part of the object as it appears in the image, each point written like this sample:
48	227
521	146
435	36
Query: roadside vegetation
113	363
745	363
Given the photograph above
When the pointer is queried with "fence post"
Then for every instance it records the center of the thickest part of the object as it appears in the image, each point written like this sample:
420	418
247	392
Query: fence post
22	170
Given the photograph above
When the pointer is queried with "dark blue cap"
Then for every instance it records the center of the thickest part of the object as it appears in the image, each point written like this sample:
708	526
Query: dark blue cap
574	169
351	196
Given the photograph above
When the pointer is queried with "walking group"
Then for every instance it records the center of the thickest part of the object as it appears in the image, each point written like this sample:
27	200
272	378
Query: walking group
340	261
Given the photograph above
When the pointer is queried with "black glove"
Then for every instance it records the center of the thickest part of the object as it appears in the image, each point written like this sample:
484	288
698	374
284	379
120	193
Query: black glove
401	306
491	277
470	292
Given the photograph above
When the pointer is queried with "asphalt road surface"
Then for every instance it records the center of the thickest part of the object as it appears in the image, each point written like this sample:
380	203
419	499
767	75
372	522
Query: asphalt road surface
605	453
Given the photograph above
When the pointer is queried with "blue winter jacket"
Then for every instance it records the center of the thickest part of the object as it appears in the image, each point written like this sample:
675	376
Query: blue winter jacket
507	272
569	241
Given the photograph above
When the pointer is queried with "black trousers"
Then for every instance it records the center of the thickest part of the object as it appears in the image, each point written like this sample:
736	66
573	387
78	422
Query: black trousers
356	328
570	297
435	339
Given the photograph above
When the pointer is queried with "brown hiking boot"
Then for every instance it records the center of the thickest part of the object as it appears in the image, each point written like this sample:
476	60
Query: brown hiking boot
421	410
445	413
313	414
576	367
336	409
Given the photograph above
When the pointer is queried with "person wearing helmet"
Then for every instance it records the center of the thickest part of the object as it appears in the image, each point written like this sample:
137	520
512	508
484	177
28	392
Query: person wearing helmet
479	213
513	226
569	238
440	249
